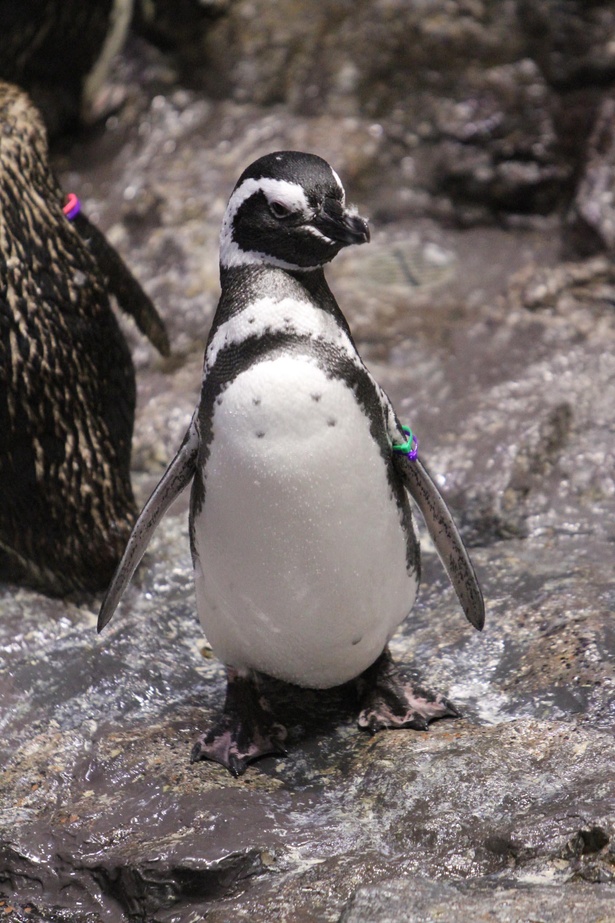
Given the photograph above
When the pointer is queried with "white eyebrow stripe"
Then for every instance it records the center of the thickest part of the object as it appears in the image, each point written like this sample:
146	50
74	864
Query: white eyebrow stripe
290	194
339	183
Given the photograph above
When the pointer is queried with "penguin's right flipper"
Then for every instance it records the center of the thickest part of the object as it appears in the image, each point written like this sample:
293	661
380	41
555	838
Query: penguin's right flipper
130	296
175	479
445	536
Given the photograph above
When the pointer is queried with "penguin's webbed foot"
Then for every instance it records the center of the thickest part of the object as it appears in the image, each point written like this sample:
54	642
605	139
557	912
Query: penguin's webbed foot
246	730
387	701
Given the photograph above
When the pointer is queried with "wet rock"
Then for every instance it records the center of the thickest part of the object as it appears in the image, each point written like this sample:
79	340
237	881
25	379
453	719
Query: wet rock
384	53
177	26
416	901
498	142
454	139
560	442
570	40
591	221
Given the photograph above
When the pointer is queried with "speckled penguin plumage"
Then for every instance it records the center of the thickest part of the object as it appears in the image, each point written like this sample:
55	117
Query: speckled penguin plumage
67	386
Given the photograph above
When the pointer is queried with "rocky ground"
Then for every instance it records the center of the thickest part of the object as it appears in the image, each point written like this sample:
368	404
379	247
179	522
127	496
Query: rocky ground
501	355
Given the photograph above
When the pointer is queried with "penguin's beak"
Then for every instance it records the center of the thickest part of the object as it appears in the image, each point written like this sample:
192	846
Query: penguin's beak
340	224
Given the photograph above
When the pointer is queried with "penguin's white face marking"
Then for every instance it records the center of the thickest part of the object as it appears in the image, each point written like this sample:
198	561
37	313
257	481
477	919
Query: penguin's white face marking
316	233
282	197
339	183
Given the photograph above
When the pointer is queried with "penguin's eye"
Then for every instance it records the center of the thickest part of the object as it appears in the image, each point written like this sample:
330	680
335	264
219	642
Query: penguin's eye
279	210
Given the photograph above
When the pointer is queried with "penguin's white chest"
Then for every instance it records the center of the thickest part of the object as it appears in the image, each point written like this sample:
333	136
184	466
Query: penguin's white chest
300	550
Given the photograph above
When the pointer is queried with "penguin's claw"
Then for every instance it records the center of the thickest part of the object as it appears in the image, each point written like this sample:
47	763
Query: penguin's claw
389	702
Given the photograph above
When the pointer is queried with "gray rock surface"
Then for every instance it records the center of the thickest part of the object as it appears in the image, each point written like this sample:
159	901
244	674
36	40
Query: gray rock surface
570	39
591	219
502	359
462	118
416	901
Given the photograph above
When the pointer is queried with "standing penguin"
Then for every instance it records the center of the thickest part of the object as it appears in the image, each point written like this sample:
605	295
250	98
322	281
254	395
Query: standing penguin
67	386
304	553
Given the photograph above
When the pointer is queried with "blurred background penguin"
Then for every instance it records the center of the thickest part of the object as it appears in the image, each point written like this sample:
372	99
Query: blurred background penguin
67	384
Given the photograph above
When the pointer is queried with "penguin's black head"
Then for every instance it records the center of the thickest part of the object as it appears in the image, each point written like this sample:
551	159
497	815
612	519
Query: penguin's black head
288	209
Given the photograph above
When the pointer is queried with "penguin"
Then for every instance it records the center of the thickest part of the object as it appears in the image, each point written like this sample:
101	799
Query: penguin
305	555
67	383
60	52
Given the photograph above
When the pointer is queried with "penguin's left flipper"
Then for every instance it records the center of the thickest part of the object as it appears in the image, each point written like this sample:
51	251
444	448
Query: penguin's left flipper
445	536
175	479
130	296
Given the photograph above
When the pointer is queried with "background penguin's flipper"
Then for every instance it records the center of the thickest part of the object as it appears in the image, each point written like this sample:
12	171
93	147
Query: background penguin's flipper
175	479
131	297
445	536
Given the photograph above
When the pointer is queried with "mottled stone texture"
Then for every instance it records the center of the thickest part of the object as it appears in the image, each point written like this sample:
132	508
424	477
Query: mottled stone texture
502	358
416	901
478	109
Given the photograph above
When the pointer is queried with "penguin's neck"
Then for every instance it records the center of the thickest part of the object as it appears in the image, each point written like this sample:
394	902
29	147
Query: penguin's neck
240	284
